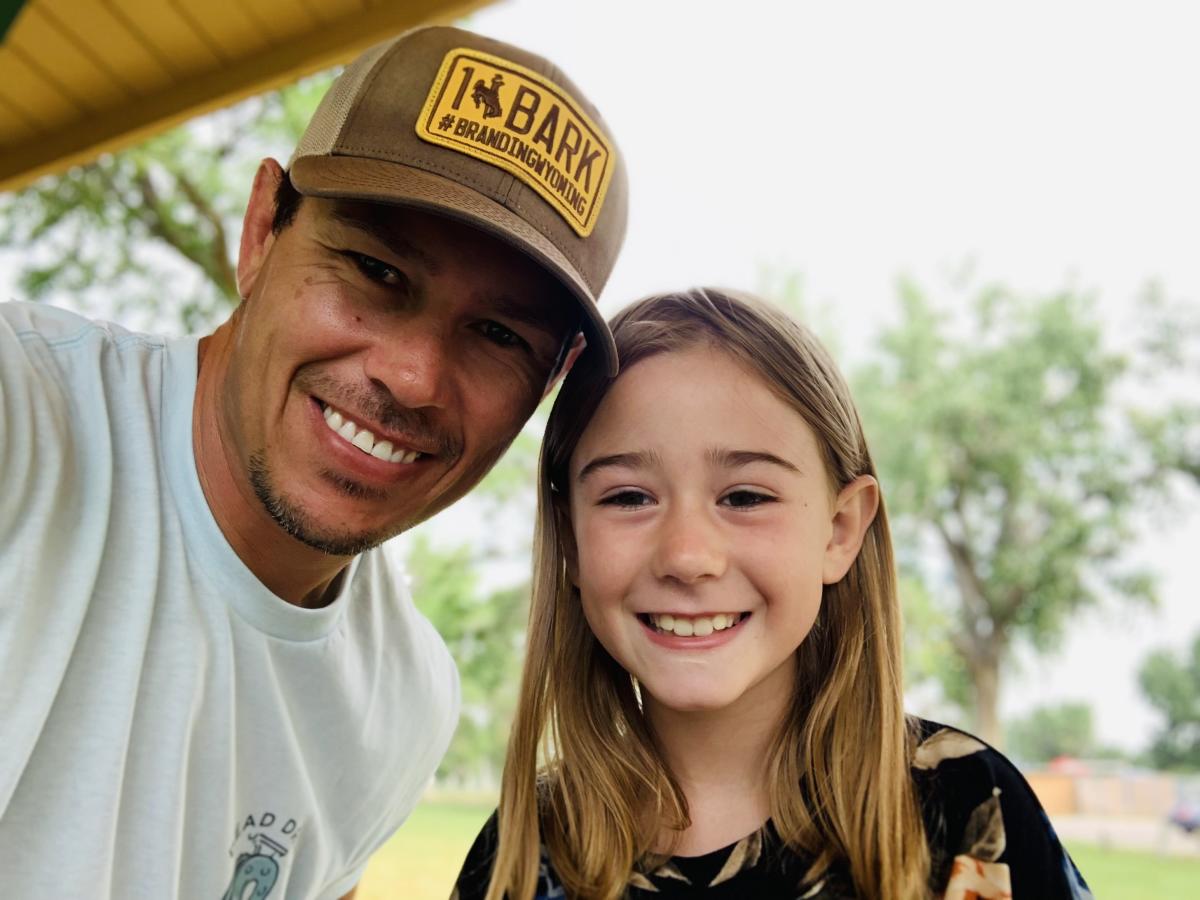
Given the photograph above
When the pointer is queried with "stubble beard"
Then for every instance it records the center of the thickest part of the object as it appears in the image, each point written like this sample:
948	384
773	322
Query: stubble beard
297	522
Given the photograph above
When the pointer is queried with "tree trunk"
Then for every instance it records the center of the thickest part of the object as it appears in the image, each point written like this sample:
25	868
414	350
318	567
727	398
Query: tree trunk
985	689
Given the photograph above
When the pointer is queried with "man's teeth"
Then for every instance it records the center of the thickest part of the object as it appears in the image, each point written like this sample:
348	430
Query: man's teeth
697	626
364	440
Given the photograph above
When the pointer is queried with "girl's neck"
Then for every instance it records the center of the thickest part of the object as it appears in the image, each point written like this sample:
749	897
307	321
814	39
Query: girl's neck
719	759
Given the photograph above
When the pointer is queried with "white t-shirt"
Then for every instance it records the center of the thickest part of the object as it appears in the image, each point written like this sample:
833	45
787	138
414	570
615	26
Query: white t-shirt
168	726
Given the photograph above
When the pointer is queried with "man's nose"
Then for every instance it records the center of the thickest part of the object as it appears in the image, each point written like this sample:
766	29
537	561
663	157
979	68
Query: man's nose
690	546
412	362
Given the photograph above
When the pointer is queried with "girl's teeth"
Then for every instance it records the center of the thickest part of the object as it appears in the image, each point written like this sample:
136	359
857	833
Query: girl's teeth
699	626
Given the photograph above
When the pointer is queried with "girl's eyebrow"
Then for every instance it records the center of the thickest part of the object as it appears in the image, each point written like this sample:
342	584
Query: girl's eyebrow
732	459
640	459
718	456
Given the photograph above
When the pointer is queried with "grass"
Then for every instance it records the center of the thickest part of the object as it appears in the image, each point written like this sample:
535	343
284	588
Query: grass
423	859
1131	875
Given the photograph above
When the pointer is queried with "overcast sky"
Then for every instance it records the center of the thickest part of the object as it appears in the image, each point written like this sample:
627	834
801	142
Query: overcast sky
1046	143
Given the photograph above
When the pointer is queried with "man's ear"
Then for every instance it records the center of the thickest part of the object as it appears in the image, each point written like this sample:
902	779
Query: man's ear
257	236
853	512
577	347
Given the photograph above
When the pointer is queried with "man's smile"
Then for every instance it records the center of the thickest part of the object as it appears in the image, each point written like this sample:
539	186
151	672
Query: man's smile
365	440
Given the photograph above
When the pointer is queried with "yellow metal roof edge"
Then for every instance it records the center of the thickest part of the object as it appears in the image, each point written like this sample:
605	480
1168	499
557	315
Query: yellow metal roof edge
327	46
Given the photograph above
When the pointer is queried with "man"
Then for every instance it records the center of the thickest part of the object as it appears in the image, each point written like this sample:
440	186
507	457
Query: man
211	686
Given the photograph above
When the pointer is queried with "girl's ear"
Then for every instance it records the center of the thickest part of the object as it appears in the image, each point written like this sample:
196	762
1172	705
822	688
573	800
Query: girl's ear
853	512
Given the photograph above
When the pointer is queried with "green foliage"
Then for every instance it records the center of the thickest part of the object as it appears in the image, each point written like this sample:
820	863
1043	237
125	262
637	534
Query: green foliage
928	651
1011	470
149	231
1065	729
484	632
1172	686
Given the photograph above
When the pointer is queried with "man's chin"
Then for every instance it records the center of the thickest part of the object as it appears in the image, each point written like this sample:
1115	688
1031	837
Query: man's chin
296	519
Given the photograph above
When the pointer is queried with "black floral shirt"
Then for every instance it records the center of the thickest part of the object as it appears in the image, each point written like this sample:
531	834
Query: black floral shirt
988	839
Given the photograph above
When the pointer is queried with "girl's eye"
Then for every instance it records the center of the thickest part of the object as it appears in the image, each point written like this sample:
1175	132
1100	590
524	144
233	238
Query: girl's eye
628	499
377	270
744	499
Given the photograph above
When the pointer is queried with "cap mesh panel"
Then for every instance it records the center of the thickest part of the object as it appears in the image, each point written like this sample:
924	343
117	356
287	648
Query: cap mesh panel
326	124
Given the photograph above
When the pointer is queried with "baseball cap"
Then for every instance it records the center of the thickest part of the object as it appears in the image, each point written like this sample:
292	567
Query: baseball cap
481	131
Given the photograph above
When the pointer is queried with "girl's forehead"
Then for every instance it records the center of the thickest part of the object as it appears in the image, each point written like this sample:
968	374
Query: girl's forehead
701	399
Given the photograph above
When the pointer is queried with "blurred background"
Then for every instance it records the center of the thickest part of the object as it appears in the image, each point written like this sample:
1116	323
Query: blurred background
989	212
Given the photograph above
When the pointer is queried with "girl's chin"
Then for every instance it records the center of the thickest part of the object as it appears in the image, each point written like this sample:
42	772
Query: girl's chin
690	702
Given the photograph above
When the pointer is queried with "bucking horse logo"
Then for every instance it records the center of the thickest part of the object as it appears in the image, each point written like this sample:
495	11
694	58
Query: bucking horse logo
258	869
489	97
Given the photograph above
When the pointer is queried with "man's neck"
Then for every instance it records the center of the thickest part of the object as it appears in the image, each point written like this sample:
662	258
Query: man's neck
291	570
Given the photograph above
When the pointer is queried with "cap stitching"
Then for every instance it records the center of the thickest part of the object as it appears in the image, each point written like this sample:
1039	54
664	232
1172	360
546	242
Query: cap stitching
516	204
470	181
410	160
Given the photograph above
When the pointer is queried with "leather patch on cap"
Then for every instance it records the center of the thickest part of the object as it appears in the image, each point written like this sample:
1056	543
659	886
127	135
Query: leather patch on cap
514	118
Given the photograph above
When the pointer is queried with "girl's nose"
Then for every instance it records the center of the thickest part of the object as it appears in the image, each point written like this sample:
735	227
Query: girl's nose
690	548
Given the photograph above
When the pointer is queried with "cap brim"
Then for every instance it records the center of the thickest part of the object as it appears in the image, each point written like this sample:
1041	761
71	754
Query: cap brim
379	181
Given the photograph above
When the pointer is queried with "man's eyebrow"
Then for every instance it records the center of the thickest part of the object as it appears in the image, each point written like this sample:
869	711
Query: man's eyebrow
641	459
373	225
732	459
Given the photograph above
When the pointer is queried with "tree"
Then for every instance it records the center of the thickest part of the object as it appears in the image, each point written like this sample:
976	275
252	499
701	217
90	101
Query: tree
484	632
148	232
1011	469
1172	686
1065	729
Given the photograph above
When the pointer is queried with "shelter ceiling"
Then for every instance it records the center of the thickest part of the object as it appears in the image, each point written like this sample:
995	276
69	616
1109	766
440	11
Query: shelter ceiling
81	77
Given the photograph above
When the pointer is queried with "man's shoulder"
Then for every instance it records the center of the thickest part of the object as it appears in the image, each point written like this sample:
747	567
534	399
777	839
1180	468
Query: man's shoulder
52	342
55	325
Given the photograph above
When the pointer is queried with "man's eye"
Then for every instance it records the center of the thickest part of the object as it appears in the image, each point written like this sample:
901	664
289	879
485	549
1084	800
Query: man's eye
626	499
744	499
378	270
498	334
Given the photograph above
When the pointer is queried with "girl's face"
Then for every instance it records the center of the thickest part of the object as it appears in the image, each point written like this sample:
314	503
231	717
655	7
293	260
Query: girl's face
705	529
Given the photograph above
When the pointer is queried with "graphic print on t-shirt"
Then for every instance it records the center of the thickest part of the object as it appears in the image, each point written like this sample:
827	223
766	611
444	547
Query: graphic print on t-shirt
260	845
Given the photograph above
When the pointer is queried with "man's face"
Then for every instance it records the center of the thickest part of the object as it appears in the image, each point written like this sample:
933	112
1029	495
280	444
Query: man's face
384	359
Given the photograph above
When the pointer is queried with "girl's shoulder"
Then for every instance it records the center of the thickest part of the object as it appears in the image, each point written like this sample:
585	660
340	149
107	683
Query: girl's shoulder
986	829
476	872
475	876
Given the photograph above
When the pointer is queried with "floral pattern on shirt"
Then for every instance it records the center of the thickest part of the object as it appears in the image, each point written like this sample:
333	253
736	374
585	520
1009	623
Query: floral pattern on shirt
988	836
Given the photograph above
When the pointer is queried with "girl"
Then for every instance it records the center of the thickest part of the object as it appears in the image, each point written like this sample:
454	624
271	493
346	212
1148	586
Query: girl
713	674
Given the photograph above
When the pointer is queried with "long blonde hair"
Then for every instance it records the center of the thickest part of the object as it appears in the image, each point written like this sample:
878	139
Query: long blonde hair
839	766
